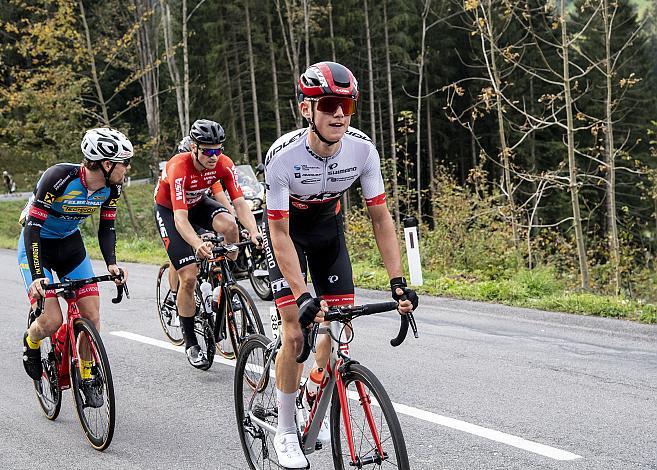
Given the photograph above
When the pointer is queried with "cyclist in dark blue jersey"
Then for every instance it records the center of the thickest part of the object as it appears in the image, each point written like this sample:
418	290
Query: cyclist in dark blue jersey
51	243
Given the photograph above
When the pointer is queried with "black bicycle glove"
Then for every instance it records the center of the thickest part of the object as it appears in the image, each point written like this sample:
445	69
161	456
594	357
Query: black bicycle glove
400	282
309	307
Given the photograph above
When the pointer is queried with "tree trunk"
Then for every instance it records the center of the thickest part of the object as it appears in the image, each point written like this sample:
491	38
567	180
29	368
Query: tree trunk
418	132
430	154
505	151
391	113
306	31
185	64
291	50
572	166
254	94
172	66
240	97
92	63
370	73
610	151
331	35
229	89
274	76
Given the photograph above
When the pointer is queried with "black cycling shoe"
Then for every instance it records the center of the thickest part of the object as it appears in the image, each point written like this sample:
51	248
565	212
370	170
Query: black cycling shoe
32	360
196	357
93	392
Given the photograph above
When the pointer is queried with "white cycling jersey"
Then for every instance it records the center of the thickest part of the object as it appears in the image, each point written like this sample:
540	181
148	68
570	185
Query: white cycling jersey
296	175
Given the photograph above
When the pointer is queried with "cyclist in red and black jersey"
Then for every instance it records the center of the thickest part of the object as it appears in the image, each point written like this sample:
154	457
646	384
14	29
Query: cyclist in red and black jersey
306	173
181	200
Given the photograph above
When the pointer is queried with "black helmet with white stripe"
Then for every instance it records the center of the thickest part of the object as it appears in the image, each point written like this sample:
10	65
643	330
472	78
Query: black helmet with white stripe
207	132
104	143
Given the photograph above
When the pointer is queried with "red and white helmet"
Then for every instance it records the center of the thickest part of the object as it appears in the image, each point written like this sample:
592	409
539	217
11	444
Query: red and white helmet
327	79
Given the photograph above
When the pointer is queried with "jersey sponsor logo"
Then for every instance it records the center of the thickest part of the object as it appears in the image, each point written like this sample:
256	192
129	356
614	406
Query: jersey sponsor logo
279	284
160	224
187	258
108	215
49	198
112	203
359	135
35	257
178	185
60	183
297	175
80	209
316	197
333	278
299	205
345	170
305	167
310	180
280	147
69	195
269	254
332	166
332	179
311	174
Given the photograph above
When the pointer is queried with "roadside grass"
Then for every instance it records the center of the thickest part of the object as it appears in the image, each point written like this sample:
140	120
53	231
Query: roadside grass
539	288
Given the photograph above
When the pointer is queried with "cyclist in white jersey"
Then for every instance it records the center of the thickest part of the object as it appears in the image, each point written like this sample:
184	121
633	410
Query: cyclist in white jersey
306	173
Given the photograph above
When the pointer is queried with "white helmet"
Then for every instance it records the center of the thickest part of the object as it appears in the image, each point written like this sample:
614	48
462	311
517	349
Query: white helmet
105	143
184	145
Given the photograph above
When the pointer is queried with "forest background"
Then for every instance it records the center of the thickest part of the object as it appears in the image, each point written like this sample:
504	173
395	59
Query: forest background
520	133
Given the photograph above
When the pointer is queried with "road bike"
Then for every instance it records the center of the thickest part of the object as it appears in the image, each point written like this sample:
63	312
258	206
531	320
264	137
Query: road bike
222	322
61	354
365	431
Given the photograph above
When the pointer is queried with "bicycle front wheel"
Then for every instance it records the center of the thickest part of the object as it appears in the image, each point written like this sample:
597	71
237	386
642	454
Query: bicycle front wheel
376	434
47	388
255	403
167	311
243	317
94	397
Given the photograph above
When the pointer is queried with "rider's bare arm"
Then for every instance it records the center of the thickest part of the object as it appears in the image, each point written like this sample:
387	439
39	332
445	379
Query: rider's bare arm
286	255
245	215
386	239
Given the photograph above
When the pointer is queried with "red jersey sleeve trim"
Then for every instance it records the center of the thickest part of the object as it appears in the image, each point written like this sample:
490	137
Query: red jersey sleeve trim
277	215
376	200
38	213
107	215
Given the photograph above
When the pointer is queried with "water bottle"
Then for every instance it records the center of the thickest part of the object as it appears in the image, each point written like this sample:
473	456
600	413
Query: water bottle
312	385
216	298
206	296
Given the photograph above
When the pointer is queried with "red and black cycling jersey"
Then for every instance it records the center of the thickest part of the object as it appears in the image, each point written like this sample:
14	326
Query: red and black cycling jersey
182	186
295	176
60	203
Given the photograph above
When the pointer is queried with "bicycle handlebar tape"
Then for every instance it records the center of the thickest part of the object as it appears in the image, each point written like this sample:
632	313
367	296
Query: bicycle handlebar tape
371	309
403	330
307	347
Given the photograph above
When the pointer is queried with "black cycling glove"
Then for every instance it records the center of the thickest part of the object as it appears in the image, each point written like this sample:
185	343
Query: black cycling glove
400	282
309	307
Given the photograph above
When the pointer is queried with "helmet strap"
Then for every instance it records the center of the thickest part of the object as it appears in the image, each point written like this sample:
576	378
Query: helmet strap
107	174
313	128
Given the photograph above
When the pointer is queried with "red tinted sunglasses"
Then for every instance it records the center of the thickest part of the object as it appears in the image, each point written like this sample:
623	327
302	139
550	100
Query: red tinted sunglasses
330	104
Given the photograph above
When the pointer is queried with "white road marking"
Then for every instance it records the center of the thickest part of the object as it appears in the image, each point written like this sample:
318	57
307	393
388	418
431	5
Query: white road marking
491	434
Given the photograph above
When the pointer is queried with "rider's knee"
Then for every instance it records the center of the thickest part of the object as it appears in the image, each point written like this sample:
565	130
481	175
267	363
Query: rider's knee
294	339
187	283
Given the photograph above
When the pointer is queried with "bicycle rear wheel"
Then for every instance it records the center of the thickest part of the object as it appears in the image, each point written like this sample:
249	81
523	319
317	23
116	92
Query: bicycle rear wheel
167	311
97	422
243	317
259	402
47	388
373	421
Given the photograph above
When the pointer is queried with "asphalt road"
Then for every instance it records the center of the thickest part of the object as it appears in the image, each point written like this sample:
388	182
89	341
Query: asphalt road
485	387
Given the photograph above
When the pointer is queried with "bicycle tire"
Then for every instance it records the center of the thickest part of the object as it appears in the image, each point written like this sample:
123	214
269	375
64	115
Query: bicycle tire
244	322
257	444
169	320
384	416
47	388
99	439
261	285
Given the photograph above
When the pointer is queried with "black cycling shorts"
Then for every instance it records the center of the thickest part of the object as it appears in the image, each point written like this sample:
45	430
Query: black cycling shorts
322	250
179	251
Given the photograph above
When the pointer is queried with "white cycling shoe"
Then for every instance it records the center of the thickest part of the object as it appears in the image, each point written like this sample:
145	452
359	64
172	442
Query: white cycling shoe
289	452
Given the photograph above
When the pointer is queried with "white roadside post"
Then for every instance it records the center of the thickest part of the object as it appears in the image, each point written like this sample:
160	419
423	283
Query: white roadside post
413	250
